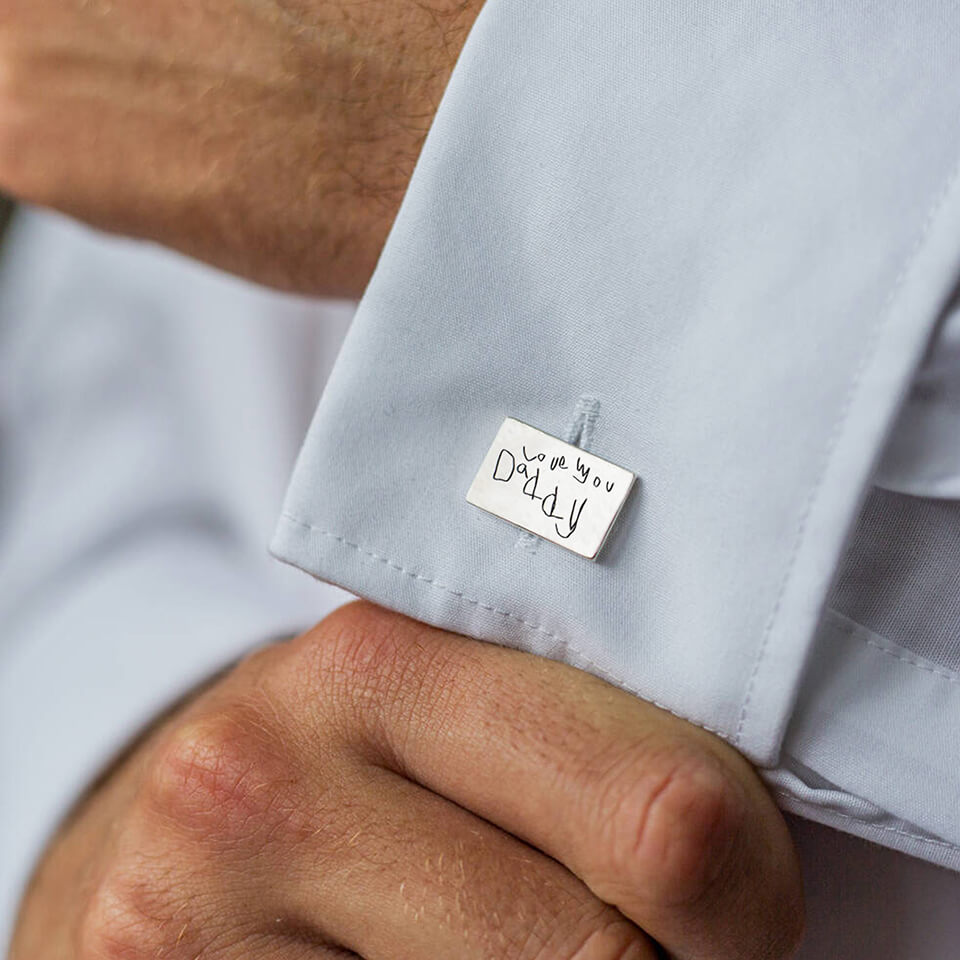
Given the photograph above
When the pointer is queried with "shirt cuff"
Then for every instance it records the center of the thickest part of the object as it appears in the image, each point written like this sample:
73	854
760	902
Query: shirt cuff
707	255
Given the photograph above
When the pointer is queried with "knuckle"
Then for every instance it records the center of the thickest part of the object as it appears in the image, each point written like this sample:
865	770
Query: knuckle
672	824
361	662
108	932
145	908
128	918
225	777
357	643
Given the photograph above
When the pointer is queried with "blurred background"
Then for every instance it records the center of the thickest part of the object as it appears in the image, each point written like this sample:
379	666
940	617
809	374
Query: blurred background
150	412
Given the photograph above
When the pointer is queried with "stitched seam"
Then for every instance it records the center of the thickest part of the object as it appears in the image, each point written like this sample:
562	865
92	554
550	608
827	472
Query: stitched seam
854	631
598	670
919	664
784	795
463	598
836	432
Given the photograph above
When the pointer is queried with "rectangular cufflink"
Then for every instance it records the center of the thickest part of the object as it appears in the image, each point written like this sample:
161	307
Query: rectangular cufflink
551	488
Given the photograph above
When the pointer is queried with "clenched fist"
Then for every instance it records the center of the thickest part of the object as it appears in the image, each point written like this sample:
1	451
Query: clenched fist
273	138
382	788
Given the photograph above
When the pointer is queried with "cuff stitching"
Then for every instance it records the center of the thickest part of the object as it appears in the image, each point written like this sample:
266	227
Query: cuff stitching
585	661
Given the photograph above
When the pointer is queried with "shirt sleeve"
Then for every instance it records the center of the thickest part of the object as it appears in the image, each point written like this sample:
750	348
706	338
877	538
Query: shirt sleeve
150	409
703	242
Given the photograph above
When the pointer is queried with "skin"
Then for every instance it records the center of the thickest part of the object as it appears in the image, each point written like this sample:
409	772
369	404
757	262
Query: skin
381	788
273	138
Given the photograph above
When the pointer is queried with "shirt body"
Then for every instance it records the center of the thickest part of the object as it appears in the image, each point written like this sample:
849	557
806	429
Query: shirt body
114	617
150	409
704	243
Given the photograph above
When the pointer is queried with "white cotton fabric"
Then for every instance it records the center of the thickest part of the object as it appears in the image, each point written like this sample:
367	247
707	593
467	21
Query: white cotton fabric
129	616
922	457
732	227
150	409
900	576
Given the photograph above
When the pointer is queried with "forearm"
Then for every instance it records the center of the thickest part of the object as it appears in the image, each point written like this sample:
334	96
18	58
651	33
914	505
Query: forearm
273	139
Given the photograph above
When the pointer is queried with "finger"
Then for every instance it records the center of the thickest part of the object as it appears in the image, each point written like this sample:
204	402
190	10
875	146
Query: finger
657	817
406	873
334	852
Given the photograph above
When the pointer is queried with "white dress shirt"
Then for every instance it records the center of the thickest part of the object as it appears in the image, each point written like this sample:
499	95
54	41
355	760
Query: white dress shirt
150	409
130	593
701	241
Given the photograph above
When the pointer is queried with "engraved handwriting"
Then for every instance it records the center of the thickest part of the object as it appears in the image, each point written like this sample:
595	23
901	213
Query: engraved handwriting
550	487
533	468
573	519
537	456
512	466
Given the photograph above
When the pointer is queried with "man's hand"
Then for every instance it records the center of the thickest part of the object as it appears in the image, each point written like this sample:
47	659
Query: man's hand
273	138
382	787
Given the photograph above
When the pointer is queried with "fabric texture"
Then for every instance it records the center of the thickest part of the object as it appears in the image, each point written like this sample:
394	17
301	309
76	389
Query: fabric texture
922	457
97	674
150	409
900	576
714	221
